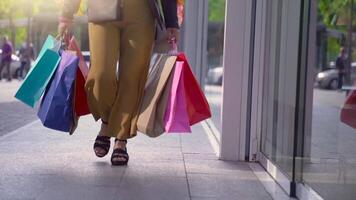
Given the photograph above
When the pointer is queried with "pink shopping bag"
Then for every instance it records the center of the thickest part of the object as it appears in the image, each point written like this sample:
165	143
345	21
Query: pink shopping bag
197	105
176	117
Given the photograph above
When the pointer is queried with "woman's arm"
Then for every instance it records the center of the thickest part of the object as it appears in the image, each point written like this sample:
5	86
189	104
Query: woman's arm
70	7
170	13
66	18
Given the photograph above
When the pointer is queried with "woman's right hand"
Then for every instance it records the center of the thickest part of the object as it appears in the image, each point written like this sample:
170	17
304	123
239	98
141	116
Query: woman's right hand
64	28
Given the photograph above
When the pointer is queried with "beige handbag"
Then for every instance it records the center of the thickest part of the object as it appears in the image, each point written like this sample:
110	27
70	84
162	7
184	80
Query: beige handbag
105	10
151	116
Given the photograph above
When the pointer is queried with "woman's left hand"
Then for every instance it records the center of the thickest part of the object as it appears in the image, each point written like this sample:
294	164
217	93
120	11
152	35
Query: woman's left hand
173	34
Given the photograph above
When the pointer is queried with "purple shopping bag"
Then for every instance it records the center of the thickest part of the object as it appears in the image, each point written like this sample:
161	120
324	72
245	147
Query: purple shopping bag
176	117
56	109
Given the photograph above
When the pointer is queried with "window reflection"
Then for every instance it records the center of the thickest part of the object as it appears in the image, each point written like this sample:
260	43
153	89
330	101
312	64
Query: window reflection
330	156
214	77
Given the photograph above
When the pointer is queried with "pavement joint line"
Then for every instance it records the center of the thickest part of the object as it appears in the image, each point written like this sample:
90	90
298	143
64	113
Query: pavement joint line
211	134
185	167
16	131
258	172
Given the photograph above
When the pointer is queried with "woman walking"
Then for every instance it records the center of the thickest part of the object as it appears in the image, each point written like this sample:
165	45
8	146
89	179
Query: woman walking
129	42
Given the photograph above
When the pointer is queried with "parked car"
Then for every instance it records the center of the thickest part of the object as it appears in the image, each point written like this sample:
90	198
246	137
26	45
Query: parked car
215	76
329	78
15	65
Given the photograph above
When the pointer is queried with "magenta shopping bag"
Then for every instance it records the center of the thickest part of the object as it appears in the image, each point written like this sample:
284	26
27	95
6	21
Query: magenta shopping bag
176	117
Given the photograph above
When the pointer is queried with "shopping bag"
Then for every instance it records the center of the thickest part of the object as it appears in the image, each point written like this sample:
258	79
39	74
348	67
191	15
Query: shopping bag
197	105
176	117
157	88
348	111
56	109
41	73
81	107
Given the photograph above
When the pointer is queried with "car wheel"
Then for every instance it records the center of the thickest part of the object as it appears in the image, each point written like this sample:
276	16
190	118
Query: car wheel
333	84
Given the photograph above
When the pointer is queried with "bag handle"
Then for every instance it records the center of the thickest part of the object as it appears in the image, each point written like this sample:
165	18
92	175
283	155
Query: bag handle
174	47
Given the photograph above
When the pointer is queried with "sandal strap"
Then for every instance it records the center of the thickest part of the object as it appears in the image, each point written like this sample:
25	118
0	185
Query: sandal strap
106	147
121	153
102	142
121	140
102	138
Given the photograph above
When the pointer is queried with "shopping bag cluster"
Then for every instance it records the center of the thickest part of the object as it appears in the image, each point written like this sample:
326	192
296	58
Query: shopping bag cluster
57	80
173	100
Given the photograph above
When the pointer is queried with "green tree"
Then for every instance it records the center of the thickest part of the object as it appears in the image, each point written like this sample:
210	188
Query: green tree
216	10
20	9
335	14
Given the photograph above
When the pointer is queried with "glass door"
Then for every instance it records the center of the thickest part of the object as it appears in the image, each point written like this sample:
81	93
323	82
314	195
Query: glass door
280	81
329	150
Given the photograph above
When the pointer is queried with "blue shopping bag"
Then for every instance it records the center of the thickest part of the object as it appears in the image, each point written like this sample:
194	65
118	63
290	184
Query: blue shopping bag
56	110
43	68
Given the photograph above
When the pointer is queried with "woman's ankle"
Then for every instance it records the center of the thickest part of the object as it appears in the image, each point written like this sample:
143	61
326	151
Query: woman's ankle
120	143
103	129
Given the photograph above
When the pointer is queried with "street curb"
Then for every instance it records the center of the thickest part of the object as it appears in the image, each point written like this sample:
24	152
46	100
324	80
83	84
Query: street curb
18	130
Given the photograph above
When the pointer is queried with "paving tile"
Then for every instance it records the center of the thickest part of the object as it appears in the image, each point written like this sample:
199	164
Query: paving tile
200	156
153	188
226	187
205	198
14	115
217	167
165	168
163	141
23	186
196	142
155	153
39	163
76	192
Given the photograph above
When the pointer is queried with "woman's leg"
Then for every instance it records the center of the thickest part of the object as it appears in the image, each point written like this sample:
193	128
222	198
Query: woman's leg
101	84
20	70
136	43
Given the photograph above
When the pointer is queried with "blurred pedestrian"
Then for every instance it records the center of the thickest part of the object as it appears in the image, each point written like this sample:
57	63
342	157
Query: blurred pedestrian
26	54
341	66
6	54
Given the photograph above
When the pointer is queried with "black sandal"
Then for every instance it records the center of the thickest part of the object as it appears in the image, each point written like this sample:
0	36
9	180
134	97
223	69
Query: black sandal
102	142
120	153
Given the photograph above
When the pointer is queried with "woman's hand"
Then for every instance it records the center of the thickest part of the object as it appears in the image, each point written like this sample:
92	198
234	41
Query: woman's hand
64	28
173	34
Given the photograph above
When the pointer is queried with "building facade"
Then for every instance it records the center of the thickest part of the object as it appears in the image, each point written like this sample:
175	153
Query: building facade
260	73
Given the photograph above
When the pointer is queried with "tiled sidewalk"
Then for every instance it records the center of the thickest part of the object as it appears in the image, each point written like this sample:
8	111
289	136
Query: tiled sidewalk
37	163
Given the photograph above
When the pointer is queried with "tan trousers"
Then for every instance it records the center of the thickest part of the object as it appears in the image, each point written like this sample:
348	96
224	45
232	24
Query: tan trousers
129	42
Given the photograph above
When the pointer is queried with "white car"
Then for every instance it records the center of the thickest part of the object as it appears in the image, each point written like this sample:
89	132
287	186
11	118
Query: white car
215	76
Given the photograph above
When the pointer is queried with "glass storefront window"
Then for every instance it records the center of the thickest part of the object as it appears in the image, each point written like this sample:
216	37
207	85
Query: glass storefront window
280	80
214	76
329	165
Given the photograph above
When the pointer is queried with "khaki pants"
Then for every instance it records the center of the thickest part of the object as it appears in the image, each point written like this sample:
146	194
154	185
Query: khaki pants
128	42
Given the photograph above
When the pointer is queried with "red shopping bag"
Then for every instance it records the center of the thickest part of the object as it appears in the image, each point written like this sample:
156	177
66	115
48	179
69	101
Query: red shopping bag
348	111
197	106
80	99
176	119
